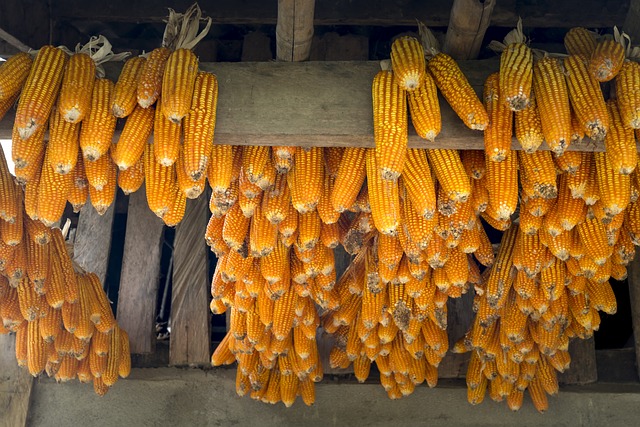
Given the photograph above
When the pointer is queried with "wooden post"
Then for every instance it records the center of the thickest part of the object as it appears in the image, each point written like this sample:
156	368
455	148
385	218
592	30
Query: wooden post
93	240
15	385
140	272
633	278
468	22
583	368
190	315
632	21
294	29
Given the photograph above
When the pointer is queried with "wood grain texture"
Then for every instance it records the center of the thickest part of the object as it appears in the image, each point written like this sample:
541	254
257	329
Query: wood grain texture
93	240
467	25
294	29
459	319
15	386
140	273
583	368
190	315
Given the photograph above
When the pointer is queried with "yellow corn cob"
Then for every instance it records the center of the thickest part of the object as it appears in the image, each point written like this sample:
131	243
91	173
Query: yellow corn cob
235	228
497	135
327	213
40	90
262	235
9	208
528	127
620	142
98	127
132	179
200	124
63	144
516	74
456	89
26	153
349	178
159	180
606	59
417	228
593	236
580	41
133	139
178	82
627	96
97	171
7	103
283	158
13	75
390	125
425	108
552	99
306	179
385	201
190	188
586	98
11	233
166	139
102	198
36	349
502	184
450	173
500	279
124	99
110	375
283	315
38	265
77	85
540	172
419	183
150	80
52	194
407	62
614	188
474	163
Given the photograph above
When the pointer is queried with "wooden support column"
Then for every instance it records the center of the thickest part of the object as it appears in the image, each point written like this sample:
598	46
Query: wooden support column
15	385
93	240
190	314
294	29
583	368
633	278
468	22
140	273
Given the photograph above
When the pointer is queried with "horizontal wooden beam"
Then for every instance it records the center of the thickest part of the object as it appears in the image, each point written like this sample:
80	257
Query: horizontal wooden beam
544	13
324	104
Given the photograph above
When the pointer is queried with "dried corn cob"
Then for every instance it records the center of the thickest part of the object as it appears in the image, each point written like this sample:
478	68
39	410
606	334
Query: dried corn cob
497	135
528	127
384	199
607	58
150	81
133	139
407	62
425	108
166	139
627	95
63	144
450	173
124	99
580	41
77	85
13	75
620	142
97	130
178	82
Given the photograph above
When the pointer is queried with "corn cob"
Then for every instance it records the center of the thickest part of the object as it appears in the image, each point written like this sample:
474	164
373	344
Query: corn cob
502	184
27	153
540	172
450	173
40	90
200	124
552	99
407	62
166	139
419	183
6	104
96	172
77	85
425	108
102	198
190	188
9	207
52	194
63	144
178	82
497	135
13	75
390	125
614	188
98	127
528	127
607	58
306	179
586	98
627	96
620	142
580	41
133	139
150	81
11	233
385	201
124	99
516	74
36	349
132	179
349	178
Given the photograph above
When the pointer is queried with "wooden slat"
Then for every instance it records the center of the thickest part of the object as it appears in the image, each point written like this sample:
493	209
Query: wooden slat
190	318
140	273
459	318
294	29
583	368
93	240
15	386
633	278
318	104
543	13
467	25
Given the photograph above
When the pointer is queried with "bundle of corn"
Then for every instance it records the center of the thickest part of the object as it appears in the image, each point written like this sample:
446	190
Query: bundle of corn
273	233
550	279
61	316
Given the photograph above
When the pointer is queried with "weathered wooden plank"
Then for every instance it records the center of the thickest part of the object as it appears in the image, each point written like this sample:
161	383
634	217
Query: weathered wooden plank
190	319
294	29
140	273
93	240
459	318
633	278
317	104
15	386
583	368
467	25
543	13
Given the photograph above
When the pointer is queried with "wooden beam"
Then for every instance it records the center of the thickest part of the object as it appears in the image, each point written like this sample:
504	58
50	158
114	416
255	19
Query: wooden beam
294	30
583	369
633	278
92	244
318	104
632	21
467	25
542	13
138	293
15	385
190	315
